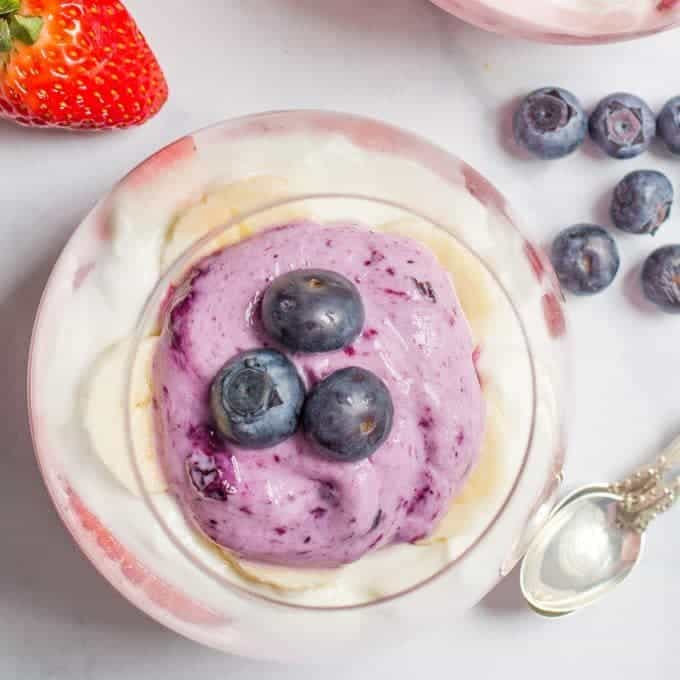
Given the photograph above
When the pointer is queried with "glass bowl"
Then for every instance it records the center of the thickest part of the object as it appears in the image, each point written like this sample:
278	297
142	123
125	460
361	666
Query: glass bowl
557	21
109	286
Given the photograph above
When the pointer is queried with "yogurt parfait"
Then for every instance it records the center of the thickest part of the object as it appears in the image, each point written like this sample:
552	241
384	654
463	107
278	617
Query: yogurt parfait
569	21
299	373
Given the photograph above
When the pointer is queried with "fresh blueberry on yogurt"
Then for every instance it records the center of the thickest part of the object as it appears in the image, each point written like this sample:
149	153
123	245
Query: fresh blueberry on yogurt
256	399
622	125
312	310
349	414
661	278
550	123
585	258
668	125
642	202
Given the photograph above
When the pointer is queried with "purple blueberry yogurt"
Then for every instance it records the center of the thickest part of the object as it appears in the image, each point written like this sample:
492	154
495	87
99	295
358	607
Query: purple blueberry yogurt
288	505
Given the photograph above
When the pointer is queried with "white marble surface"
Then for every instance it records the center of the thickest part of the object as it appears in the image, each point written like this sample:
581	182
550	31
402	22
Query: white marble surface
406	62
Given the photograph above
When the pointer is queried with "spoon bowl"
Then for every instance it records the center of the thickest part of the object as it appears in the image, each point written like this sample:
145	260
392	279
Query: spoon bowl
578	493
581	554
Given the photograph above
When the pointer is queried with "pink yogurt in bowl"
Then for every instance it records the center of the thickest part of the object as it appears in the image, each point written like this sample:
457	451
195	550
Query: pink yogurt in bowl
285	504
314	173
568	21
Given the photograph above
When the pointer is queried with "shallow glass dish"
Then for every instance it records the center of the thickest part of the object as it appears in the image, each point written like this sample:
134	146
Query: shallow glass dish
568	21
109	287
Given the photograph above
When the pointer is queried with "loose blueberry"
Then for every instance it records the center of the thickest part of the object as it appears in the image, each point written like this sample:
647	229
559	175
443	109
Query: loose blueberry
256	399
661	278
312	310
622	125
348	415
668	124
585	258
550	123
642	202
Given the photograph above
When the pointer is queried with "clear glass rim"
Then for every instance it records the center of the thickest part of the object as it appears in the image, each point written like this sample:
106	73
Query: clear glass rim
149	316
509	24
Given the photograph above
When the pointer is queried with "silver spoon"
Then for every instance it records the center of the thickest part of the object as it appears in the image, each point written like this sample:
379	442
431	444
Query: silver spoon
595	536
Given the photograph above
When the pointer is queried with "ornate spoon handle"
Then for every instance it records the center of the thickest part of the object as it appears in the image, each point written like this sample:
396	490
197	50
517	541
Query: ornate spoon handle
649	491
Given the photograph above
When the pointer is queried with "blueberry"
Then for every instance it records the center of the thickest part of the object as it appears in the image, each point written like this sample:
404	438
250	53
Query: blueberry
622	125
585	258
312	310
668	124
661	278
550	123
642	202
348	415
256	399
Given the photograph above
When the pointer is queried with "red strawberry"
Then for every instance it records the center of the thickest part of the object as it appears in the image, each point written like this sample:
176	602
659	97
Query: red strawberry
76	64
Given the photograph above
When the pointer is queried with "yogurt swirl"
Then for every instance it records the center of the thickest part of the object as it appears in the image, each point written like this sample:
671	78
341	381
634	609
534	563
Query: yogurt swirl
286	505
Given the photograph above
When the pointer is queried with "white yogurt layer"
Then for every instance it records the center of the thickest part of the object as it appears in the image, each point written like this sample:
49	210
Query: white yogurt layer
590	17
607	5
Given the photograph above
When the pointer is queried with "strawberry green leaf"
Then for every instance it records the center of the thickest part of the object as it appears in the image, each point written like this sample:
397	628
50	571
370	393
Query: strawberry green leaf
9	6
5	37
25	29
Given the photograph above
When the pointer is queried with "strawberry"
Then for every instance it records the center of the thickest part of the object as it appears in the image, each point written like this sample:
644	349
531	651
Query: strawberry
80	64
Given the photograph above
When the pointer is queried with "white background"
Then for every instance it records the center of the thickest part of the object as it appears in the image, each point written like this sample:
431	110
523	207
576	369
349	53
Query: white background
409	63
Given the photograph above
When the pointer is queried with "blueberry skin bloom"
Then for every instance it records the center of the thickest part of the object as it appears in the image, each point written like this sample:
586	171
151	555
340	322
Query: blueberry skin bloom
661	278
642	202
256	399
668	125
585	258
312	310
550	123
622	125
348	415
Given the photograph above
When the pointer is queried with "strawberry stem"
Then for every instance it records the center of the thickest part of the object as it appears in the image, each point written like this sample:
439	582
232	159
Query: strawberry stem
25	29
5	37
13	26
9	6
